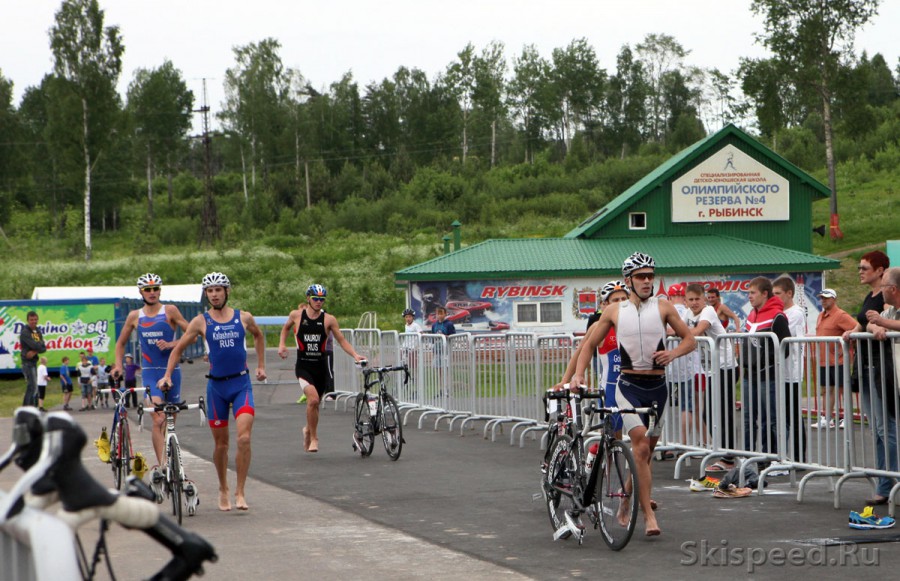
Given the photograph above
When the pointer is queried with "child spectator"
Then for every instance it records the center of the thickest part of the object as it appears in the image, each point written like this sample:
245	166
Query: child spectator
102	383
85	369
131	371
43	376
65	382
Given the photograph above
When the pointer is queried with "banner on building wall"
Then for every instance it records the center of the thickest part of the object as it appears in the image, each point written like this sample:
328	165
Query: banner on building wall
68	329
730	186
563	305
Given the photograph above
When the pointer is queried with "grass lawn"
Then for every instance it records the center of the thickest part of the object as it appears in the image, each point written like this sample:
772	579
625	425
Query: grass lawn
12	390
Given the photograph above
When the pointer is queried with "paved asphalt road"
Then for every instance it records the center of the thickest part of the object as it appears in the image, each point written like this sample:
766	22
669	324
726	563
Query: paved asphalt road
461	507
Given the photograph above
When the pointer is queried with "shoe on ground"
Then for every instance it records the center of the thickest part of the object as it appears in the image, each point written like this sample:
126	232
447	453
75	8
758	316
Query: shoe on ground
841	425
720	466
705	484
67	408
823	423
867	519
732	491
102	444
302	399
139	465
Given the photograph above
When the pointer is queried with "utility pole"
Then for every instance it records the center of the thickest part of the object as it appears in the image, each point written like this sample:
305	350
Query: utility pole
209	231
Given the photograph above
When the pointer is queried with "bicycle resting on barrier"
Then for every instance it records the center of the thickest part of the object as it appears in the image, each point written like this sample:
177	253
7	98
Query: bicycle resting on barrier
170	481
378	412
601	483
48	448
117	449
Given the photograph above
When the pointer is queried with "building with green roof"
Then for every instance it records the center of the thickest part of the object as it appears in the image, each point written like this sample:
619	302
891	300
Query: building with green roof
719	212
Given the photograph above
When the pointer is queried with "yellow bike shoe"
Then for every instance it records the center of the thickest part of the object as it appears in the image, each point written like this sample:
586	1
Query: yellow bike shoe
102	444
139	465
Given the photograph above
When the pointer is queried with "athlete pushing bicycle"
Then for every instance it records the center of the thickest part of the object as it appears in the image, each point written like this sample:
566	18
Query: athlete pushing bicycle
640	325
225	329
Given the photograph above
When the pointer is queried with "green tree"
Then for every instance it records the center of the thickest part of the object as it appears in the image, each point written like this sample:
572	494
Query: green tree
626	106
459	79
489	95
89	57
811	37
530	98
160	106
578	83
660	55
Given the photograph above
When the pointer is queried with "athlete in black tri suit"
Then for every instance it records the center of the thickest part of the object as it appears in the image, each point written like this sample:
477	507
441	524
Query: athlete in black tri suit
311	325
640	326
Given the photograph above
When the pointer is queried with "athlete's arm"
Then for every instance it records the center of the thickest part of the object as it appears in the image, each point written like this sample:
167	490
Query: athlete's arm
124	336
573	361
177	321
595	334
195	329
687	344
285	329
259	343
331	326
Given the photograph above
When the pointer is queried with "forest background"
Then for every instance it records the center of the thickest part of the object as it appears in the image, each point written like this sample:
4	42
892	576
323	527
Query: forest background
348	185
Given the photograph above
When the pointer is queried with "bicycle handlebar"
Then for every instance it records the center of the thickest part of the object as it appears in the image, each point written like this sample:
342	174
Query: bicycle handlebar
113	391
51	456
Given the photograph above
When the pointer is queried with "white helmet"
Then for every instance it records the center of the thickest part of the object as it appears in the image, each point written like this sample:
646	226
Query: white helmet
215	279
611	287
149	279
637	261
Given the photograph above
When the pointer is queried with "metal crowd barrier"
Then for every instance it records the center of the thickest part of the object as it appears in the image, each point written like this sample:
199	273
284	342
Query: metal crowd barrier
785	407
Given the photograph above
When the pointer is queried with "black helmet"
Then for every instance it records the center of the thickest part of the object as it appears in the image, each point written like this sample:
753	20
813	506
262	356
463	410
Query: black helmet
409	312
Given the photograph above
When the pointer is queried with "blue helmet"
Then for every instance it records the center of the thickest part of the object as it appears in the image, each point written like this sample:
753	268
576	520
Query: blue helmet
316	290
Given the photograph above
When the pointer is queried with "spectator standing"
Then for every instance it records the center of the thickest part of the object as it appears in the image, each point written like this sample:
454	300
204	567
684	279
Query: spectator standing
95	374
102	383
31	345
684	375
65	382
760	401
872	393
879	325
784	288
703	321
725	314
84	369
833	321
131	371
43	376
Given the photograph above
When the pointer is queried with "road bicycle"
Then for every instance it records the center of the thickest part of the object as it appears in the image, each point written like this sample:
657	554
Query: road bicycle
601	484
378	413
169	481
121	452
42	513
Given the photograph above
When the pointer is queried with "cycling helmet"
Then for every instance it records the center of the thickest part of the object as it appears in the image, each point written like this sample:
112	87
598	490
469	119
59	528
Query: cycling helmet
316	290
409	312
215	279
611	287
148	279
637	261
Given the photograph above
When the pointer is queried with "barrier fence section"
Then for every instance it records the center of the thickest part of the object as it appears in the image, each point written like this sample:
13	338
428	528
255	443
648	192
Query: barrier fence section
745	397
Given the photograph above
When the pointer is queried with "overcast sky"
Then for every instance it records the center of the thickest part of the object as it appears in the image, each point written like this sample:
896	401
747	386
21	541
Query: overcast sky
324	39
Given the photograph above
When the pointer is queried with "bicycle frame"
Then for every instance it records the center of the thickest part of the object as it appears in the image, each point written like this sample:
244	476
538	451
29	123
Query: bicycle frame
120	433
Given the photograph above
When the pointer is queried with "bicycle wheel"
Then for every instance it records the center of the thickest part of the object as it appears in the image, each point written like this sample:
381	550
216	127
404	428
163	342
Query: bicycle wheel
560	483
114	456
175	482
363	434
391	428
122	463
616	495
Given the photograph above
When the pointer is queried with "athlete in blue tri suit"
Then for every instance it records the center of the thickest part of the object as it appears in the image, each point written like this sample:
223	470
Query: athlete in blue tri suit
225	329
155	324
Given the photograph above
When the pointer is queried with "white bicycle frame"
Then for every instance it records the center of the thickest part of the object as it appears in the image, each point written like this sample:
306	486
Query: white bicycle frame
172	440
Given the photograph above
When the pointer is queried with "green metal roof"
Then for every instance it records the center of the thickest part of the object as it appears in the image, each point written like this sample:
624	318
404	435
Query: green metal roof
675	164
580	257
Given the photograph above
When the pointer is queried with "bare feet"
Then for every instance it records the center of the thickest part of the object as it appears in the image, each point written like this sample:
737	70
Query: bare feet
240	502
224	503
313	445
306	439
623	515
650	526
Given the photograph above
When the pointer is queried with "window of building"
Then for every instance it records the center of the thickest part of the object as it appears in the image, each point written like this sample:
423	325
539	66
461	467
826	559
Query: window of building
637	220
547	313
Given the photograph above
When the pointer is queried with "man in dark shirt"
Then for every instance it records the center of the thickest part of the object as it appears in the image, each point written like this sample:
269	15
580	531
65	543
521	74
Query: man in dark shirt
31	345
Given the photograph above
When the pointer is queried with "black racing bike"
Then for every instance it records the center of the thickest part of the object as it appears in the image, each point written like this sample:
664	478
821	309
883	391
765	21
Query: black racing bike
377	413
601	485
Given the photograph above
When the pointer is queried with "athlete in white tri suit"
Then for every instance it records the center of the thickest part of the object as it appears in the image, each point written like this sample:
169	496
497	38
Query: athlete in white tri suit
229	386
640	326
155	324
